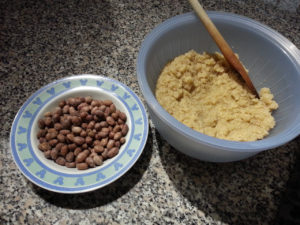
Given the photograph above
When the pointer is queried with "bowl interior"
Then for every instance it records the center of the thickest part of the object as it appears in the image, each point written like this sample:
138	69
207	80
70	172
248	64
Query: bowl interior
268	59
95	93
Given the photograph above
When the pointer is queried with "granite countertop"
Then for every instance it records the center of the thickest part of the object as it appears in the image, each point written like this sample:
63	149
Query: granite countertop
42	41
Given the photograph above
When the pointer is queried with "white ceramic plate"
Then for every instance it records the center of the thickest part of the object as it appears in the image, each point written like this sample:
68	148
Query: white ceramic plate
51	176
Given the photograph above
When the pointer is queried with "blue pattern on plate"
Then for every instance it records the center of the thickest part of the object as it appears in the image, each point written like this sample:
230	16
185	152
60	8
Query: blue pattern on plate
67	84
79	181
28	161
130	152
27	114
134	107
99	83
137	137
83	81
21	146
22	130
113	87
139	121
100	176
117	166
51	91
126	96
59	180
41	173
37	101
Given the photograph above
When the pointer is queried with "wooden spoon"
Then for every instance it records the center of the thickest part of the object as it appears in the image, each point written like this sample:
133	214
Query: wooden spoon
223	45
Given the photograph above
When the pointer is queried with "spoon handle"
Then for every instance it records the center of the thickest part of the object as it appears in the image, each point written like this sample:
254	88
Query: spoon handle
223	45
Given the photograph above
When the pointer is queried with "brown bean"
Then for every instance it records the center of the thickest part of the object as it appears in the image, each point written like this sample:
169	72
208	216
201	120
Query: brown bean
76	130
58	146
53	142
117	144
103	134
122	140
78	140
82	166
107	112
89	118
61	138
50	136
62	103
110	144
71	101
66	109
117	136
44	146
125	130
77	151
89	140
54	154
60	161
76	120
107	102
65	123
88	99
112	108
47	114
111	135
104	154
41	133
70	157
103	124
84	146
72	146
70	137
57	126
85	109
94	103
93	110
70	164
56	118
42	140
47	154
90	162
123	116
120	121
113	152
91	125
83	114
57	110
102	108
48	121
52	130
115	116
99	113
104	141
81	156
117	128
98	148
64	150
105	129
110	120
41	123
98	160
64	132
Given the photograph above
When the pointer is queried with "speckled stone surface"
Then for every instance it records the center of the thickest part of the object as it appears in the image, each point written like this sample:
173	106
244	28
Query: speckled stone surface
41	41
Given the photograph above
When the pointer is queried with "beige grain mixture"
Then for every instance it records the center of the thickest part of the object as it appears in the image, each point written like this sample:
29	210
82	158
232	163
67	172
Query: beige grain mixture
204	93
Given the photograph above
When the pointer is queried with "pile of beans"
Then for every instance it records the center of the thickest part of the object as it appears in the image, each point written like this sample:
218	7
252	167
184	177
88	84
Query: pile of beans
82	132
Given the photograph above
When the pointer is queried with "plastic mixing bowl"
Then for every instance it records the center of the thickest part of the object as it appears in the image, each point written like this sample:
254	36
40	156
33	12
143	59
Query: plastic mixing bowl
272	61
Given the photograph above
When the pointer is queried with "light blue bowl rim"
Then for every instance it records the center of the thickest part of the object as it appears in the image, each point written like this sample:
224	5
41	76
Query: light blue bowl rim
252	146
